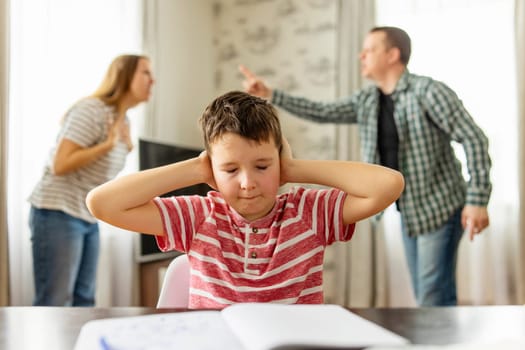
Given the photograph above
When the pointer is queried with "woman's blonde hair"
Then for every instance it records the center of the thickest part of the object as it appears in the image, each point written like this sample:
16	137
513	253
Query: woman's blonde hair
118	79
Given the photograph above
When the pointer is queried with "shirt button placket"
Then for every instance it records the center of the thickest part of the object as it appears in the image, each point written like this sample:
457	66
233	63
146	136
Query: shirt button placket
254	253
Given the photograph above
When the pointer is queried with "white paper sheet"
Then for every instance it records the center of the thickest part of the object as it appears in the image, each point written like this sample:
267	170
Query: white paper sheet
198	330
249	326
265	326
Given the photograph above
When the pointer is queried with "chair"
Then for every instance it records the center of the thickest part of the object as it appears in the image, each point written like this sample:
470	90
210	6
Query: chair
175	289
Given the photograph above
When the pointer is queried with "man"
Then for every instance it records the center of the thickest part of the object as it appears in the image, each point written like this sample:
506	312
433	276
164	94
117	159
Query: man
407	122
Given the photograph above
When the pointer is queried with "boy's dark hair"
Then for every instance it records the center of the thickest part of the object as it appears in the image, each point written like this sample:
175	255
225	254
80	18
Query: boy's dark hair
396	37
243	114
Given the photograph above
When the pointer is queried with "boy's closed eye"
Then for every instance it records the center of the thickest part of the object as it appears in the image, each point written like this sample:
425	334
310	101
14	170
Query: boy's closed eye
233	170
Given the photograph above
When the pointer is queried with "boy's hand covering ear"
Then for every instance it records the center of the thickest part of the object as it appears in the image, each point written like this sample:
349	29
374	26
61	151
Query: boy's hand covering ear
286	157
207	171
286	150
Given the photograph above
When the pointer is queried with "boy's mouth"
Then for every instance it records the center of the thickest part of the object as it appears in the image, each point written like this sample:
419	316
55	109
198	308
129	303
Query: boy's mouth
249	198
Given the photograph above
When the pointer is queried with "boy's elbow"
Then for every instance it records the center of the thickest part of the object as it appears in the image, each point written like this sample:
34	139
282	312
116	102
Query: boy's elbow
396	184
94	203
390	190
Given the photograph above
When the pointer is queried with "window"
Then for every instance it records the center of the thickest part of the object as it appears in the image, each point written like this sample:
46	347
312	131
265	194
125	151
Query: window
60	50
469	45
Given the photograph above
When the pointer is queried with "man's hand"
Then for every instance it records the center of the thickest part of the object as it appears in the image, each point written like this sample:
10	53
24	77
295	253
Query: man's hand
254	85
474	219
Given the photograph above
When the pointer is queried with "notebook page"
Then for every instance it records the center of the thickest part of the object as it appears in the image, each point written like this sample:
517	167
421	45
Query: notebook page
261	326
195	330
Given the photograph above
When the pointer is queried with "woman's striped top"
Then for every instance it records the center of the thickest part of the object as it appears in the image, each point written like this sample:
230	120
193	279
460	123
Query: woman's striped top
86	124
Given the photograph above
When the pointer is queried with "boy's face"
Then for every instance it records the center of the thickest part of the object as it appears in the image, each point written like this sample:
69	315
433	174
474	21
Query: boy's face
246	173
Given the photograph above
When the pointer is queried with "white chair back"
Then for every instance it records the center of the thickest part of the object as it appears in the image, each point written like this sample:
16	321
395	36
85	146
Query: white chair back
175	289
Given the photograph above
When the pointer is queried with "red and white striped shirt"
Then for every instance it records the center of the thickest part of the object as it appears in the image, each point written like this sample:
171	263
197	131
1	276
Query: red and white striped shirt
277	258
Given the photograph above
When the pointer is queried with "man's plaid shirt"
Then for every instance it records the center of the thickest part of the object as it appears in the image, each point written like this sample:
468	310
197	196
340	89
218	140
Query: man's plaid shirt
428	116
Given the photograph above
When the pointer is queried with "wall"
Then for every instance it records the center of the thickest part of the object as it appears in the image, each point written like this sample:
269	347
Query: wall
292	45
197	46
178	36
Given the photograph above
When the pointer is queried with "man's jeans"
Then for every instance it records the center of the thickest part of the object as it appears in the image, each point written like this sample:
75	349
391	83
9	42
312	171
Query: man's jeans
65	254
432	260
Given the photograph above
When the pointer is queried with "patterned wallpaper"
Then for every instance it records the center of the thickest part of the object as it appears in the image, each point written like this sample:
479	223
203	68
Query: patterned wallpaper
291	44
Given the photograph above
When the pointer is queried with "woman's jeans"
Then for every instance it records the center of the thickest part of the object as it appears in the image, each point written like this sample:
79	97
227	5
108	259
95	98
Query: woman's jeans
432	260
65	255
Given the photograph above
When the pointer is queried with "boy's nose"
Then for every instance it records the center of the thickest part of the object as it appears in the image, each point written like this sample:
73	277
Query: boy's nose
246	182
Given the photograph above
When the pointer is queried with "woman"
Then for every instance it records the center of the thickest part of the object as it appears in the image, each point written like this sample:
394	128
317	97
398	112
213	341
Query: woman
91	149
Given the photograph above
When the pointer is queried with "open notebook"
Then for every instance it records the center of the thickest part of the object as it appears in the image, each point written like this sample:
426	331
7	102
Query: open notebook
245	326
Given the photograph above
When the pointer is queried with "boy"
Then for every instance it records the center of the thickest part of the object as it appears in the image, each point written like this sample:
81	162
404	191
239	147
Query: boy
245	242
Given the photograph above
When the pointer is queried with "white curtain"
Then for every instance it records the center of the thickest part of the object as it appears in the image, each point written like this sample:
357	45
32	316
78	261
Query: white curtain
359	265
520	67
4	74
60	52
470	46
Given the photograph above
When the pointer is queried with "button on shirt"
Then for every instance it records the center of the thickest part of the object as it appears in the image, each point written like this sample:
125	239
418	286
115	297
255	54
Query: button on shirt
428	116
252	252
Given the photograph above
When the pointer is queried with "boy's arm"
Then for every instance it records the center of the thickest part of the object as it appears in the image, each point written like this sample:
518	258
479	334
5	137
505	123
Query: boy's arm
127	202
370	188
